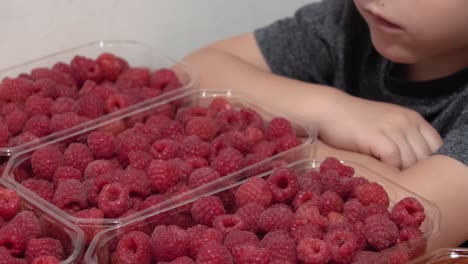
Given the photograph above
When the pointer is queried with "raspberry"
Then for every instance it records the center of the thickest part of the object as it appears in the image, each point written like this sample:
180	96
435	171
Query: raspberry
397	255
250	254
172	130
15	90
162	77
280	246
39	125
200	235
117	102
301	229
4	134
90	106
162	175
114	199
63	105
150	133
239	237
332	181
57	76
45	161
105	90
283	184
164	149
139	159
229	160
78	156
374	209
66	91
194	146
134	78
371	193
15	121
43	246
267	148
36	104
128	141
254	190
101	144
134	247
45	260
28	223
202	176
136	182
413	238
205	209
275	219
93	187
90	231
287	142
183	167
381	232
203	127
180	260
62	67
353	210
158	121
250	118
41	187
97	168
279	127
215	253
12	238
330	202
46	88
9	203
85	69
188	113
309	212
63	121
304	196
70	195
331	163
253	135
408	212
22	138
219	104
196	162
313	250
342	243
229	120
169	242
226	223
110	65
65	173
254	158
250	214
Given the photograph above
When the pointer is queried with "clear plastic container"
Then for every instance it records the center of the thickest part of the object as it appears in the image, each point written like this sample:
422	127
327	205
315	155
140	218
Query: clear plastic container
20	161
102	247
135	53
53	226
444	256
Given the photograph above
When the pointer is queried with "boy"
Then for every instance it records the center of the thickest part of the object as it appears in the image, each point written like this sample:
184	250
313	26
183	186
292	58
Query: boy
388	79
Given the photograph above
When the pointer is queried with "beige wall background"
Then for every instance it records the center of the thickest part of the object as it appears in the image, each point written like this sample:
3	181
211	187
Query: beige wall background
31	29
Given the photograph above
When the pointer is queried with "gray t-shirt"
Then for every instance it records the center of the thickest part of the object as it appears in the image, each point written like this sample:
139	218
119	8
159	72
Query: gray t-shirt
329	43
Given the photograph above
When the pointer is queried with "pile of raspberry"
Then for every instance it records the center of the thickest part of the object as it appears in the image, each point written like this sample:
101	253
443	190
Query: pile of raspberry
48	100
22	237
136	163
324	216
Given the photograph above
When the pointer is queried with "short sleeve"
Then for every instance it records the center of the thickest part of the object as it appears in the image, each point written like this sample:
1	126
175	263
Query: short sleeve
456	140
304	47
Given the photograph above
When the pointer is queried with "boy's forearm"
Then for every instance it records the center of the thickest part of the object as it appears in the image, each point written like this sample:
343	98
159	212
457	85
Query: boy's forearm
220	70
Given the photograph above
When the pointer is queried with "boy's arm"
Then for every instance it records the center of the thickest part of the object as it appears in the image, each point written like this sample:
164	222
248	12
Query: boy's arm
396	135
440	179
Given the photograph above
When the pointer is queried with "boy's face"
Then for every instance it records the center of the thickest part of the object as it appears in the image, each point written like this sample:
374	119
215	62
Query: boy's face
411	31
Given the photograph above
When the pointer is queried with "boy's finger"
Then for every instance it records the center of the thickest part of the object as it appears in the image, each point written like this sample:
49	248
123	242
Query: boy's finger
419	144
431	136
386	150
407	153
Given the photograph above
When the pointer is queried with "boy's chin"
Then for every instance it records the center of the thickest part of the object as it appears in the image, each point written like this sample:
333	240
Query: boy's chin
396	53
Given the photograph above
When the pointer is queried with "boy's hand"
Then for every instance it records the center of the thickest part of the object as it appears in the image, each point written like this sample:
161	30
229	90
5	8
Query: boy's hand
396	135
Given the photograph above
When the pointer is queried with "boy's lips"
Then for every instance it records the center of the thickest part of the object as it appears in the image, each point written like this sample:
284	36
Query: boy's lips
381	21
